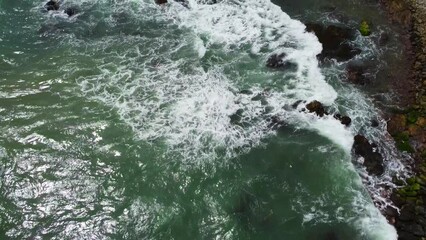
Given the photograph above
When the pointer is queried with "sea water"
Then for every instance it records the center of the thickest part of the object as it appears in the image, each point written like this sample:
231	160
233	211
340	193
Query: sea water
132	120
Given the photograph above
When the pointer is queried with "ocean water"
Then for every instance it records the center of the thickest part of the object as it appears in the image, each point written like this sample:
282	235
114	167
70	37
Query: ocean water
131	120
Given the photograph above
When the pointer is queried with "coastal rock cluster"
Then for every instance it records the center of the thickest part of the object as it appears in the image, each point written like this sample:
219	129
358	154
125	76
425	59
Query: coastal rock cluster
408	127
54	5
335	41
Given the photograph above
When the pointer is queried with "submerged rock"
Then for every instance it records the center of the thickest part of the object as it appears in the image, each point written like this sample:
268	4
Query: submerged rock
70	11
374	123
316	107
275	123
246	92
335	41
52	5
237	116
160	1
373	161
357	73
278	61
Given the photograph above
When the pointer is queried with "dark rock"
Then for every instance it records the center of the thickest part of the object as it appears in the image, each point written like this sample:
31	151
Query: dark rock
374	123
258	97
52	5
397	124
70	11
390	211
373	161
407	213
402	235
296	104
160	1
278	61
397	200
335	41
383	39
416	229
345	120
316	107
357	73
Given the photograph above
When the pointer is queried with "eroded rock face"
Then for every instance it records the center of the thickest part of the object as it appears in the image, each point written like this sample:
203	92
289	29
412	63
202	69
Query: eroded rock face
373	160
335	41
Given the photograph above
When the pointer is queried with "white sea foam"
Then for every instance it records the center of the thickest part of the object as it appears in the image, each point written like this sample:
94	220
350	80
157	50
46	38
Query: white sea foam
168	90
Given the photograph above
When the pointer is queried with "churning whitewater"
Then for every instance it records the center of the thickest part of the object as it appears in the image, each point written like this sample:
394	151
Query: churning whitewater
179	81
181	130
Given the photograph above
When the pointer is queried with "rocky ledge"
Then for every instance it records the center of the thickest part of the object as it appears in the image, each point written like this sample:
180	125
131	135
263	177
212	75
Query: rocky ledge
408	125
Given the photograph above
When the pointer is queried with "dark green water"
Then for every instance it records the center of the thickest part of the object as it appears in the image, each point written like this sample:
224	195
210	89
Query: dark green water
116	124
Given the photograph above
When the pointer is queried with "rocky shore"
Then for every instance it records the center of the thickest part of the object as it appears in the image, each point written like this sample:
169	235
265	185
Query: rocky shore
408	124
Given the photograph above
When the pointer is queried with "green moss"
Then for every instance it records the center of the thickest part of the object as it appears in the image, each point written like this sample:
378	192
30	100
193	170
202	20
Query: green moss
412	116
404	146
364	28
411	180
415	187
402	142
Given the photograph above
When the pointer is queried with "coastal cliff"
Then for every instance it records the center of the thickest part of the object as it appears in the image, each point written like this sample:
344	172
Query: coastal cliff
408	125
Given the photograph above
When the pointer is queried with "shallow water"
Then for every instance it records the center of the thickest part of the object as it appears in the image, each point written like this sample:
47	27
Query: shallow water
119	123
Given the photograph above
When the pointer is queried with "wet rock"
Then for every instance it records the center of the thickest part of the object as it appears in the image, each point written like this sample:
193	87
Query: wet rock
397	124
296	104
335	41
397	199
258	97
70	11
52	5
160	1
373	161
403	235
357	73
416	229
407	213
278	61
374	123
383	39
316	107
345	120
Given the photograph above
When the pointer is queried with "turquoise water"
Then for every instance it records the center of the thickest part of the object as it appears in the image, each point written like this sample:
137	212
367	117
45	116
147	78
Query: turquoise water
116	124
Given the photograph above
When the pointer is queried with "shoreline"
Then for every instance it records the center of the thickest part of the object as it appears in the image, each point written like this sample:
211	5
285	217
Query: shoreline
408	126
